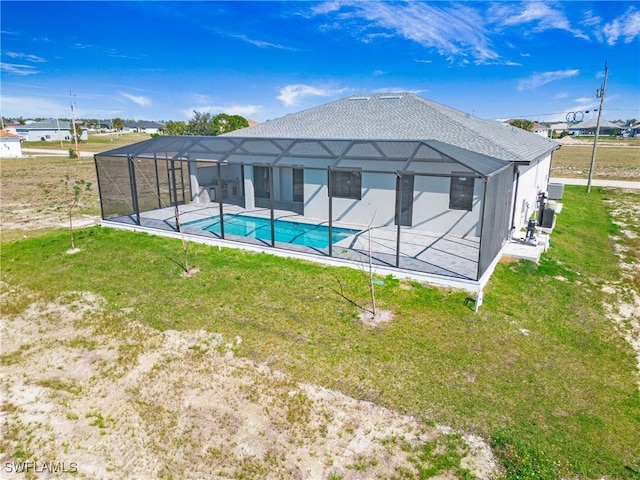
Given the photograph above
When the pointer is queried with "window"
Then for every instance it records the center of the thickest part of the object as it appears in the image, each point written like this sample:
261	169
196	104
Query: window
346	184
405	183
461	193
298	185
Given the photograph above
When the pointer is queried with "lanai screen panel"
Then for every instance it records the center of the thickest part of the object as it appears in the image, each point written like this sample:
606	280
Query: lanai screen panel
496	223
421	165
114	186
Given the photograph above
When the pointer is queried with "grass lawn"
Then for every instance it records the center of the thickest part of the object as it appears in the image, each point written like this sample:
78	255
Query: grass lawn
540	370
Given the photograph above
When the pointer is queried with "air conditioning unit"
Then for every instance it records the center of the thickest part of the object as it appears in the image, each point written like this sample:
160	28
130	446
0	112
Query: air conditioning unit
548	218
555	191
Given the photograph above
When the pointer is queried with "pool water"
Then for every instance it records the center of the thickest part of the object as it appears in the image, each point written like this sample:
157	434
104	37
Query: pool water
316	236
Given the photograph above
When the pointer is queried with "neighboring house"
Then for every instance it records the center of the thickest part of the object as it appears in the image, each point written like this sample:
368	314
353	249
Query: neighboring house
149	127
541	130
11	127
143	127
558	128
10	145
588	127
440	191
48	131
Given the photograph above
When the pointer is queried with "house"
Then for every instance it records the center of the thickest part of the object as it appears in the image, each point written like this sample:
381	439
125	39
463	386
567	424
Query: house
540	129
143	126
48	131
10	145
558	128
588	127
422	190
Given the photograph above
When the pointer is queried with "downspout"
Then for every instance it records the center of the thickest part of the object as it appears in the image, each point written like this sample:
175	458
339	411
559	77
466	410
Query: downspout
515	198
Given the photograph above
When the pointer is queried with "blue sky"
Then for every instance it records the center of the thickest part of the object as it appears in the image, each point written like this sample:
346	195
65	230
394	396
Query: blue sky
163	60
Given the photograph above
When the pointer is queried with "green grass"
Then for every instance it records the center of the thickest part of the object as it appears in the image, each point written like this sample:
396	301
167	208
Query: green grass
95	143
559	401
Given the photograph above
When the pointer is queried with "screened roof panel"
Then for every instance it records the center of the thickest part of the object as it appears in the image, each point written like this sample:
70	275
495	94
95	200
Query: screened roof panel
366	150
244	149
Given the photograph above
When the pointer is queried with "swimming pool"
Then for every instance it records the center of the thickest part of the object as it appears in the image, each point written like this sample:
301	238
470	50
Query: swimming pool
310	235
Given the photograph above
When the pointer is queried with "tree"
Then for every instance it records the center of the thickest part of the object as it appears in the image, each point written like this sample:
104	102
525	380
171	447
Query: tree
175	128
75	131
75	191
206	124
118	124
224	123
523	124
201	124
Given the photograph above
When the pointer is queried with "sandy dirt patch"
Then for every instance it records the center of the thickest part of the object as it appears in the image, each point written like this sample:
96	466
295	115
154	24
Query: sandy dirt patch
624	308
104	396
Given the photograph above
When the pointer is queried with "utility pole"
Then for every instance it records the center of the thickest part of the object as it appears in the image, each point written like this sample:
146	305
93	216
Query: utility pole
599	94
73	122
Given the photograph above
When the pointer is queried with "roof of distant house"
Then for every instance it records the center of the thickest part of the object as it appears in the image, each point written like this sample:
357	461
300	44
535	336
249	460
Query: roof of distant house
5	134
593	124
46	125
404	116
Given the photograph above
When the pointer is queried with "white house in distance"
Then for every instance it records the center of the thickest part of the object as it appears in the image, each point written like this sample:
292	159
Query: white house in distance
432	192
10	146
144	126
48	131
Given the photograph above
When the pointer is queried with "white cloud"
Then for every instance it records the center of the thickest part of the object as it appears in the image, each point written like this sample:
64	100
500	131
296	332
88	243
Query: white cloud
138	100
537	14
33	106
18	69
292	94
458	30
262	43
246	111
25	56
627	27
539	79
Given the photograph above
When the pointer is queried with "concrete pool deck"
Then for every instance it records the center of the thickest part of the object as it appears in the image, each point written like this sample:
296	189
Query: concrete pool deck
447	260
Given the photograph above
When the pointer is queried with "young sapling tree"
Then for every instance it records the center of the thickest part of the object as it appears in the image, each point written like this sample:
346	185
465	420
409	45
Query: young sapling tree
74	190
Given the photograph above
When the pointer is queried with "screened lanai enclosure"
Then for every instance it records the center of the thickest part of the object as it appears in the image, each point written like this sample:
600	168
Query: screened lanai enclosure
413	206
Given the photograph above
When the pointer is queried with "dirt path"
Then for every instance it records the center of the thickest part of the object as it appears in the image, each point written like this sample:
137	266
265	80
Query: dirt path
103	396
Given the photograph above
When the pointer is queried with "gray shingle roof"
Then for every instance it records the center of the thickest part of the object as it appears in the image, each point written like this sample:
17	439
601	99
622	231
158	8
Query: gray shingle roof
593	123
46	125
404	116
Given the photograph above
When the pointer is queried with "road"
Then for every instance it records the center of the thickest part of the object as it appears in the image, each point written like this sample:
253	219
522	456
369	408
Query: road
598	182
35	152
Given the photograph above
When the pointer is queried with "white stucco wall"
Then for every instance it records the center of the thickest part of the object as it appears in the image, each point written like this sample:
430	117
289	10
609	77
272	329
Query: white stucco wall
533	179
10	148
431	194
430	210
